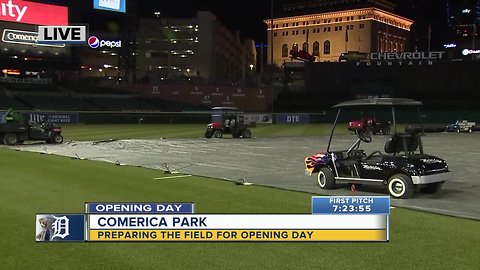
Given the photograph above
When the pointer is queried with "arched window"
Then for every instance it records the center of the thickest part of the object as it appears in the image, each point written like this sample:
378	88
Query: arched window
284	50
305	46
295	47
316	48
326	47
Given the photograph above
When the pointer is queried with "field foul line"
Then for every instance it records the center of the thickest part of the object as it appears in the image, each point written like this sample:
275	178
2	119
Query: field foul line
172	177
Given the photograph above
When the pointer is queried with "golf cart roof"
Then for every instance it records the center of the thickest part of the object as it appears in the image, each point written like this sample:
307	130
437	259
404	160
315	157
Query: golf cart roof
225	108
379	102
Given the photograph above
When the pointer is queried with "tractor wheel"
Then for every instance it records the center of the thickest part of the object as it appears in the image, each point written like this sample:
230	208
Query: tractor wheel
431	188
246	133
325	178
57	139
10	139
208	133
400	186
218	134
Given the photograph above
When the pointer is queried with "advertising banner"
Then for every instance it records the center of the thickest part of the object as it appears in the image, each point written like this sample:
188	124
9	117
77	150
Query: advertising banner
52	117
293	118
258	118
24	37
33	13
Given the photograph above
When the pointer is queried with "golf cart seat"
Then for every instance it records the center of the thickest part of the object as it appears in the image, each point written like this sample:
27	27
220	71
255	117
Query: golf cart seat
397	143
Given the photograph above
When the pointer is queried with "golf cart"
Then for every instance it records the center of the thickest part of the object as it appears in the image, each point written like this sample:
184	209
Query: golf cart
402	167
227	120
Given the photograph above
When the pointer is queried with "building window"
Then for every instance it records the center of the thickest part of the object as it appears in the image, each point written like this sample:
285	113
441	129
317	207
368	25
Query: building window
336	19
362	26
325	29
340	28
305	46
275	34
296	32
284	50
295	47
293	32
316	48
336	28
326	47
304	32
351	26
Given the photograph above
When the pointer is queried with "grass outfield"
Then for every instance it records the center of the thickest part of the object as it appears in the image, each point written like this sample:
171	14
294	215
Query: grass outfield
32	183
156	131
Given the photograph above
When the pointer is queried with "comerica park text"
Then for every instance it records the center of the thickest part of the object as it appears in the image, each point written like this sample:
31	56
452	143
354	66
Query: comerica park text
152	222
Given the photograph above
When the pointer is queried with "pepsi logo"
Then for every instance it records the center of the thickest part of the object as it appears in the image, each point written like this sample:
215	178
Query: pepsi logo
93	42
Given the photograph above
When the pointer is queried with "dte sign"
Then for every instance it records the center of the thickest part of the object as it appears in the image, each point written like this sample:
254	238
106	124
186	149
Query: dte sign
293	118
75	34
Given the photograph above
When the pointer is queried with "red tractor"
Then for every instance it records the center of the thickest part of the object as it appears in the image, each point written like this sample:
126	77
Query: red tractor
227	120
302	56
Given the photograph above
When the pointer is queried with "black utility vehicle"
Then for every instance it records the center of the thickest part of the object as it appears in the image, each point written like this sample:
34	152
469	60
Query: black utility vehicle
14	130
402	167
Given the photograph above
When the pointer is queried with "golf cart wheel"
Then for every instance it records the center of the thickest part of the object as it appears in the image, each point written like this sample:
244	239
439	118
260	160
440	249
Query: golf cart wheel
246	133
431	188
218	134
325	178
10	139
400	186
57	139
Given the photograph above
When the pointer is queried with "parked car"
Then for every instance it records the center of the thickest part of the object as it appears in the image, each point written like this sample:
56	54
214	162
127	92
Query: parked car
460	126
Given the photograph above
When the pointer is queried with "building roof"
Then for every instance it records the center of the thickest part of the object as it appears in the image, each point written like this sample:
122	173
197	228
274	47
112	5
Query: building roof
321	6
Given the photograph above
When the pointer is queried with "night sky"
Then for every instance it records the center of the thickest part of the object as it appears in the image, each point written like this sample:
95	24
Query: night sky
248	16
